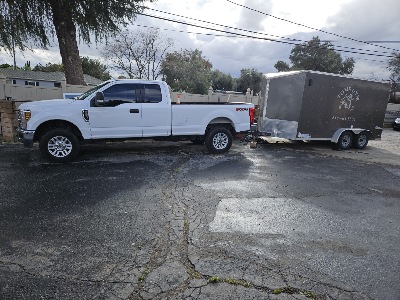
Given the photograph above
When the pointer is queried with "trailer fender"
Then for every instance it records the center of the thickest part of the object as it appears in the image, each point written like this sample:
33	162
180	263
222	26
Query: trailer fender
338	133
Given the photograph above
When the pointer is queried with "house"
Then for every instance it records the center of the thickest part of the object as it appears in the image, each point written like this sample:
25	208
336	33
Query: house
43	79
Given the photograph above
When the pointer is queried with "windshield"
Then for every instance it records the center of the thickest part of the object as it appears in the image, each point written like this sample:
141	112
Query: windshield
85	94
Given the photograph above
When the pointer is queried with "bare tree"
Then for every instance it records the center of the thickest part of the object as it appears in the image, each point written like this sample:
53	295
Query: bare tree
138	54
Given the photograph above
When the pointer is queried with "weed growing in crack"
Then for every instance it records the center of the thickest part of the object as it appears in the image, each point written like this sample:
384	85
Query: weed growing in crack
213	279
237	282
291	290
308	294
142	278
196	275
285	289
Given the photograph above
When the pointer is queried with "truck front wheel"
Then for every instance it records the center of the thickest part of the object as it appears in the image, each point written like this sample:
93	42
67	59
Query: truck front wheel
218	140
360	140
59	145
345	141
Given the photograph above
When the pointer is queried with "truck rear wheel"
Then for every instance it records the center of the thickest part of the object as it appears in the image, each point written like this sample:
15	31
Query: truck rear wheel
218	140
345	141
59	145
360	140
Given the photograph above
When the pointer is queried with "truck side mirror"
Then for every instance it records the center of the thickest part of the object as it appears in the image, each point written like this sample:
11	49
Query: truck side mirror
99	99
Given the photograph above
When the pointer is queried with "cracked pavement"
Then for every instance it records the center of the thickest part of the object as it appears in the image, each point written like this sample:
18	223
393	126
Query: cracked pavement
159	220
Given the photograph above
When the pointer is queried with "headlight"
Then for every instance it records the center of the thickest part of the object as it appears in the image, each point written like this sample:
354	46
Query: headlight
397	121
23	117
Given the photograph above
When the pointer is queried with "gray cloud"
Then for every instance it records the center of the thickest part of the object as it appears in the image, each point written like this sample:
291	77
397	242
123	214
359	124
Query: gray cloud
252	20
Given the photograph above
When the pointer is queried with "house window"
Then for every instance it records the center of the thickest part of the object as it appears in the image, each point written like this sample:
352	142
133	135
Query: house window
57	84
14	81
37	83
29	83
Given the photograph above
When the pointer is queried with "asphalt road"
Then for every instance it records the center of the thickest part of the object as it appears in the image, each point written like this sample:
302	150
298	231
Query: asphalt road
156	220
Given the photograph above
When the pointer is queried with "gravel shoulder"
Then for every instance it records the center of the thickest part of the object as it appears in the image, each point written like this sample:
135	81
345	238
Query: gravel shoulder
384	151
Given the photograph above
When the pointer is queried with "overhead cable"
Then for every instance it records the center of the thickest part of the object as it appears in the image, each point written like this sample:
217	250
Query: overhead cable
308	27
258	38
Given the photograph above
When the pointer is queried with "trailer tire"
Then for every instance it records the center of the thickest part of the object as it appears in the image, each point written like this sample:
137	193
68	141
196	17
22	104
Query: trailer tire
345	141
218	140
360	140
59	145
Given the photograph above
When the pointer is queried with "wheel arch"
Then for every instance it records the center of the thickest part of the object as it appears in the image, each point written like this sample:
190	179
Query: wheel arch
223	122
54	124
354	131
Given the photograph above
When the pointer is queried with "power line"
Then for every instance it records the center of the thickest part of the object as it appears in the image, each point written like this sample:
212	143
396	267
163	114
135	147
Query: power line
308	27
261	33
224	35
259	38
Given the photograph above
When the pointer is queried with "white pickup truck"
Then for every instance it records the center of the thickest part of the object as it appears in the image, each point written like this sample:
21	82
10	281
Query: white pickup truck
128	109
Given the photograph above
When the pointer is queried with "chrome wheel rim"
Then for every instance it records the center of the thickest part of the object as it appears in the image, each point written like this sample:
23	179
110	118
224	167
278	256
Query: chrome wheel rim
346	140
59	146
362	139
220	141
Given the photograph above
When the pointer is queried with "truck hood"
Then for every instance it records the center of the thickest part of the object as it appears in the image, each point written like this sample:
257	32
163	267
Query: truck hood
46	104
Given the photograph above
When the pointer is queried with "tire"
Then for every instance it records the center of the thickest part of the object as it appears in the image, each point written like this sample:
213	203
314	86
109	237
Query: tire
360	140
59	145
218	140
345	141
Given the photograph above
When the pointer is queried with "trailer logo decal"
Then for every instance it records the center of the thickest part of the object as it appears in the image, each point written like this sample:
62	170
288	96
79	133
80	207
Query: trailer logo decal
348	96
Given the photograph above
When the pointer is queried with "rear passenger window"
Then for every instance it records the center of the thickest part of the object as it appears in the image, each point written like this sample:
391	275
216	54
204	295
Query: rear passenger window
152	93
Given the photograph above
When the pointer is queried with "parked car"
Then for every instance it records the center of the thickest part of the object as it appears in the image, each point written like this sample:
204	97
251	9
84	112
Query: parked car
396	124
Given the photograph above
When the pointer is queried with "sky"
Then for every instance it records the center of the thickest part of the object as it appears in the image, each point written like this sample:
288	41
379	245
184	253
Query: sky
366	30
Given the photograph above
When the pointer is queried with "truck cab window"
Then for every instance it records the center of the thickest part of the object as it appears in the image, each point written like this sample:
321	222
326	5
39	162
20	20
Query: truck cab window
120	93
152	93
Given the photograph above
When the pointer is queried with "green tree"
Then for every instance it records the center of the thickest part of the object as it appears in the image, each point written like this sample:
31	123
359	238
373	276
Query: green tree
49	67
317	56
27	66
222	81
95	68
249	78
281	66
24	20
187	70
6	66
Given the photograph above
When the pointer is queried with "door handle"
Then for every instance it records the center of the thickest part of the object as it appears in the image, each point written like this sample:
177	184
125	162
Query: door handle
134	111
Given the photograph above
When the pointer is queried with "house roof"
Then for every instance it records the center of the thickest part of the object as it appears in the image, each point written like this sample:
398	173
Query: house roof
44	76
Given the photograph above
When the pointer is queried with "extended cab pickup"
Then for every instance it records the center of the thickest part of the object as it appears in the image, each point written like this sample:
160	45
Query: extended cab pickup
128	109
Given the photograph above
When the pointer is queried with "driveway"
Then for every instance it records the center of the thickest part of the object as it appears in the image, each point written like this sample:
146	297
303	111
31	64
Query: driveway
156	220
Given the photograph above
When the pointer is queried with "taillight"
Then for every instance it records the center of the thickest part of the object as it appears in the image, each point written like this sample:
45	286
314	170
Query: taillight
251	114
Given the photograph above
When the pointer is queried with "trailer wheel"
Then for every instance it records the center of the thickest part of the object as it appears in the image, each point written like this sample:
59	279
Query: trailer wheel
59	145
360	140
345	141
218	140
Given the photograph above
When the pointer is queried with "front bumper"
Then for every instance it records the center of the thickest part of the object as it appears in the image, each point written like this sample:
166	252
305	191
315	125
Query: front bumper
26	137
